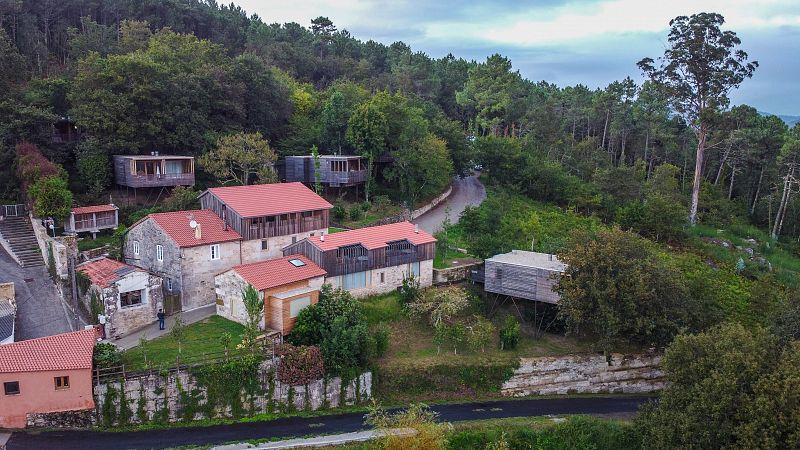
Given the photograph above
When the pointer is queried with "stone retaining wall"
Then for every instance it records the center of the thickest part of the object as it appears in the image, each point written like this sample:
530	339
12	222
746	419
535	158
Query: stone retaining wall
585	374
432	204
159	391
454	274
66	419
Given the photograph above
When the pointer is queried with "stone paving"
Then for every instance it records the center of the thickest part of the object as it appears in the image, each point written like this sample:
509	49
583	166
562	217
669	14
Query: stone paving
40	311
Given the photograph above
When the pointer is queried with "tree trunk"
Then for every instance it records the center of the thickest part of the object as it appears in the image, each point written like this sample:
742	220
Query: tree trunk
733	177
758	191
646	145
698	172
722	164
787	193
605	128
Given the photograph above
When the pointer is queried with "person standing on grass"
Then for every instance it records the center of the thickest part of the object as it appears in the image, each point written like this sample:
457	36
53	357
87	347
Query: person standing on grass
160	316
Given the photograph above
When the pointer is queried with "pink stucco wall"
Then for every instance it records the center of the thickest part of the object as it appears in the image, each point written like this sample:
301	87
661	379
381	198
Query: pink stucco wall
39	395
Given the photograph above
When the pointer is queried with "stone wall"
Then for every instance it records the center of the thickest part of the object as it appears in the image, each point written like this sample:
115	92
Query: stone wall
432	204
586	374
61	246
161	390
7	292
392	279
65	419
454	274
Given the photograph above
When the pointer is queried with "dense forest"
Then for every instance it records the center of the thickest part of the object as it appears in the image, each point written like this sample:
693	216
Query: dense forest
178	75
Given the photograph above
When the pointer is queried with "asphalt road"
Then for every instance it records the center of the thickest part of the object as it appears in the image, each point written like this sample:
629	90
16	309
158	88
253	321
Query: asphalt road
300	426
40	311
466	192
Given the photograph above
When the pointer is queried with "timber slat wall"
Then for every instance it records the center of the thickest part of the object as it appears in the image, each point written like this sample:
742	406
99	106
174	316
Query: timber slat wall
530	283
374	259
300	168
266	226
123	175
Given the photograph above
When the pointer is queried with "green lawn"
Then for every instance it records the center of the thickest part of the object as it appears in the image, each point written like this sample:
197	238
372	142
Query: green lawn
446	260
87	243
201	339
332	230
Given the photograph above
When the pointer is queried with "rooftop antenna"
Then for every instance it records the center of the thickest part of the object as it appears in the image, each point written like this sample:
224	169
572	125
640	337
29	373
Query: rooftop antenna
198	233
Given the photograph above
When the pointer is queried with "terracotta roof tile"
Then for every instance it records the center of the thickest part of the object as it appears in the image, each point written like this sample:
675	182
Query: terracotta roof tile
105	271
212	229
277	272
259	200
94	209
68	351
374	237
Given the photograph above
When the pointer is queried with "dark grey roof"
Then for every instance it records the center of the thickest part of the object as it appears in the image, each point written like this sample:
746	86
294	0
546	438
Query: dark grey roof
7	314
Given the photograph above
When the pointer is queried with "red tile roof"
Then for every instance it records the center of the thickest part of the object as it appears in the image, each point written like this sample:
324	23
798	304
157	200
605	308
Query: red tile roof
374	237
105	271
259	200
94	209
278	272
212	229
67	351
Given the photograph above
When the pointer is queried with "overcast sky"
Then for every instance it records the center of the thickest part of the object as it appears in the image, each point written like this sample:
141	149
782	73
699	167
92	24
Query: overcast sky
593	42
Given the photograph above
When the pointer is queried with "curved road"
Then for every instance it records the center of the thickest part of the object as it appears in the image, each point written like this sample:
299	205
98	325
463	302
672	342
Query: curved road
302	426
467	191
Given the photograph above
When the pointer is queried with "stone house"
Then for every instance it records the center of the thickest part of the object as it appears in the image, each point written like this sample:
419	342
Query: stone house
371	260
286	285
44	376
186	249
269	216
128	297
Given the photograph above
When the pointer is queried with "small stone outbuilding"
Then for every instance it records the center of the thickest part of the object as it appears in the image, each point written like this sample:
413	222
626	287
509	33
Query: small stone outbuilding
286	285
127	296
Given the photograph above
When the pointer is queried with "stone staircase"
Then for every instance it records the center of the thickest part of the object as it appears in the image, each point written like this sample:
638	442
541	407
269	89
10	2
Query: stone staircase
18	232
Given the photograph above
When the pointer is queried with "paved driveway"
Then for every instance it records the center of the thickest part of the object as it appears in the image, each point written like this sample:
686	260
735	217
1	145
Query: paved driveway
40	312
466	192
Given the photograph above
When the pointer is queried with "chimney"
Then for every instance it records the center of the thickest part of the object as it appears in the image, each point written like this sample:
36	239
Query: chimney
416	228
198	233
322	237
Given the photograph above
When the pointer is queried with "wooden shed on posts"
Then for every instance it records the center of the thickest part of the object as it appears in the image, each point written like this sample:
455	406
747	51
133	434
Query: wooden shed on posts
526	275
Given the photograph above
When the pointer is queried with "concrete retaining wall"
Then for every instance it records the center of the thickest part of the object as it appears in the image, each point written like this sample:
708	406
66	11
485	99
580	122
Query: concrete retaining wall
584	374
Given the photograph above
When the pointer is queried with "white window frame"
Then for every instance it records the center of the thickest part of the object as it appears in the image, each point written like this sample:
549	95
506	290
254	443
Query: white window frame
215	252
136	248
159	253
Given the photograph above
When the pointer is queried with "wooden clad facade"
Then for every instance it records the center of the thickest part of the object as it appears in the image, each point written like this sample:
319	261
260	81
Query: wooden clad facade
266	226
525	275
142	171
335	170
356	258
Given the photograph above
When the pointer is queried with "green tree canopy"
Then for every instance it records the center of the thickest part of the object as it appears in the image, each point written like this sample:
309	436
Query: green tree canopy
239	158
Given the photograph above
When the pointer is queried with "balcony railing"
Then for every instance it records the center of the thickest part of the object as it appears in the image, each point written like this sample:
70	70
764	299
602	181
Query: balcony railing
165	179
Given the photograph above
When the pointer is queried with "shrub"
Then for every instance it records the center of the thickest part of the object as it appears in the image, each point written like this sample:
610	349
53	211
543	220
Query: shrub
509	334
339	213
366	206
106	355
381	337
409	290
51	197
355	212
299	364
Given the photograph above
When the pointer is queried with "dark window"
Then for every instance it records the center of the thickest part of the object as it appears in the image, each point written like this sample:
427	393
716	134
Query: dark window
264	244
351	251
61	382
396	248
294	239
499	273
130	298
308	213
382	277
11	387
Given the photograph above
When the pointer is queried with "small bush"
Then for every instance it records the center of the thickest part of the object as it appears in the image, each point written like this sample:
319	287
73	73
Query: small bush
355	212
339	213
509	335
381	336
300	364
106	355
366	206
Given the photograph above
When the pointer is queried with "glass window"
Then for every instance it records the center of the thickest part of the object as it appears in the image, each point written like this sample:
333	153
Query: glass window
297	262
159	253
11	387
169	284
215	252
354	280
264	244
136	248
413	268
383	279
297	305
61	383
132	298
